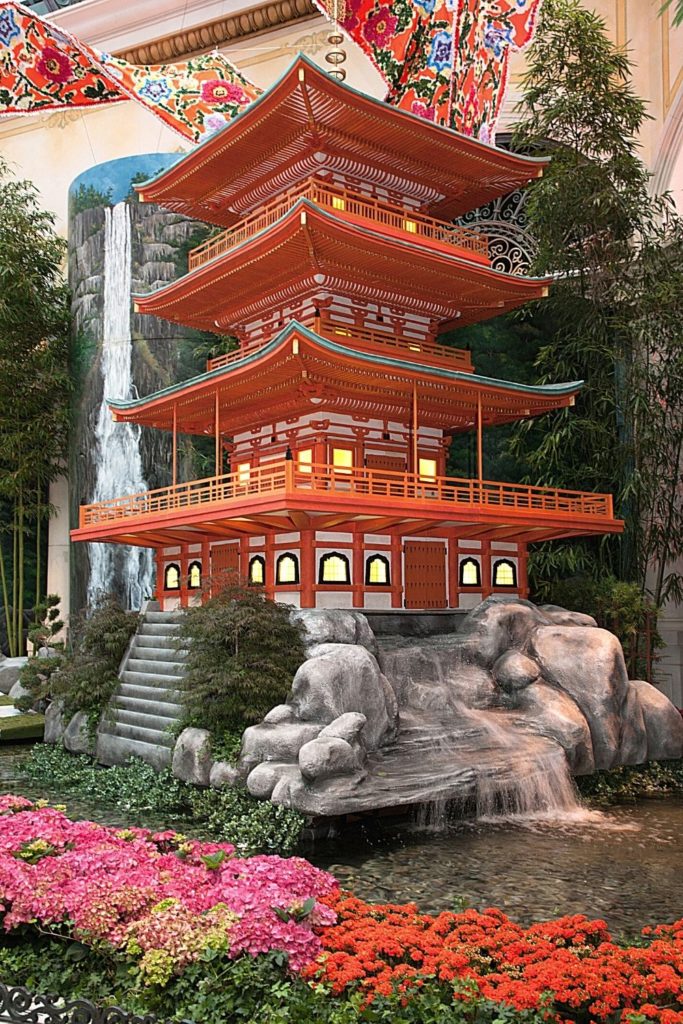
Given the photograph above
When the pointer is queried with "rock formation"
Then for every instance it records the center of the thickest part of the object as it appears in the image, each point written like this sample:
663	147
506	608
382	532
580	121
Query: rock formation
507	702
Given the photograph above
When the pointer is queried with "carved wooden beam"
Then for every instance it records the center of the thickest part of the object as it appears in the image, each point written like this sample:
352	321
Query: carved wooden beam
184	43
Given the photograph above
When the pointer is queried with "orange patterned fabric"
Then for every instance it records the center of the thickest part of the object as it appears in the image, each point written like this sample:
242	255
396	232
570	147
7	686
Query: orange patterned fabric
43	68
445	60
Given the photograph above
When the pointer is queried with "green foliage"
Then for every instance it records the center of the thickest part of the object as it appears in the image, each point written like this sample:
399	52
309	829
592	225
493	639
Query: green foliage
87	197
85	677
47	624
243	653
34	390
230	815
628	784
617	304
678	11
252	990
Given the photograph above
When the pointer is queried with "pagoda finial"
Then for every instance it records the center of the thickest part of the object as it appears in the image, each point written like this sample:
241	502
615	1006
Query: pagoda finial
336	12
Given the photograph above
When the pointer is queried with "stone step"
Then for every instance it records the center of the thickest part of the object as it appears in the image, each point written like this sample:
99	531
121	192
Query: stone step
166	679
165	708
114	749
154	737
149	653
157	629
172	617
154	722
155	668
162	693
165	643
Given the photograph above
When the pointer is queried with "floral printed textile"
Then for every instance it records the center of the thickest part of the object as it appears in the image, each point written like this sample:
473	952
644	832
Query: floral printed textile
445	60
43	68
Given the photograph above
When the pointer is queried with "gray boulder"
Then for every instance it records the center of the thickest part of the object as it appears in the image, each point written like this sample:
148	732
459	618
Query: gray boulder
10	670
346	678
192	759
663	722
633	749
264	778
77	737
279	742
335	626
497	625
514	670
347	727
328	756
562	617
280	713
54	723
18	692
552	713
223	775
588	664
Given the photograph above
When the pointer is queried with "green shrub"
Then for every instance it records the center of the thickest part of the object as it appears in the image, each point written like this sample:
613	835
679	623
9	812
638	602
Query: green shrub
243	653
85	676
230	815
629	783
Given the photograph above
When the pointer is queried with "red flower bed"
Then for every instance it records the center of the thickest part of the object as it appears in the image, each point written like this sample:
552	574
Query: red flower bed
568	967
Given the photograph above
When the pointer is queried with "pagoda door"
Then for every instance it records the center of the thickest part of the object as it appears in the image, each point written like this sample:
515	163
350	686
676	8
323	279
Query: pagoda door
425	574
225	565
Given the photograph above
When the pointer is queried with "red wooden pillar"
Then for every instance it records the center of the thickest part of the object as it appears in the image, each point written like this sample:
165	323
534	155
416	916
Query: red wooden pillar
206	571
159	584
358	568
396	572
485	569
522	576
244	559
453	589
270	566
184	562
307	569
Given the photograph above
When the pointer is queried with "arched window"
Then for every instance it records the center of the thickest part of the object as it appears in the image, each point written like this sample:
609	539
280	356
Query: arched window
194	575
504	573
377	571
470	573
257	571
172	577
287	569
334	568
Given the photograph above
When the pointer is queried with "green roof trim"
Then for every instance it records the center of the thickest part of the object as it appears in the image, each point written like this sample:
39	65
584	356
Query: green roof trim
332	346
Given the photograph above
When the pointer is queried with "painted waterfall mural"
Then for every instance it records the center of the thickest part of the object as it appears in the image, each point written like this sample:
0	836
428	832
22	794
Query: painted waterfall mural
118	246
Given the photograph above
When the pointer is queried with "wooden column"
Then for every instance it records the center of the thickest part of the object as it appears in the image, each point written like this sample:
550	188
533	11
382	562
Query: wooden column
218	469
453	581
159	586
480	441
184	562
522	577
358	568
308	580
414	431
206	571
175	445
485	569
396	572
269	553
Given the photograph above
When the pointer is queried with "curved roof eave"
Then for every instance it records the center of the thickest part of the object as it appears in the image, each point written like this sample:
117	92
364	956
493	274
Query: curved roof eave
548	390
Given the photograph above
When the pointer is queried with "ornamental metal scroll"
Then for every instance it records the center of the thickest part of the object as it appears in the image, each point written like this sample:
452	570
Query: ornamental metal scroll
512	248
19	1006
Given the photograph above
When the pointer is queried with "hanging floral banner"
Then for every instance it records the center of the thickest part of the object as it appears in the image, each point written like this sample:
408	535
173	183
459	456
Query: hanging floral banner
445	60
43	68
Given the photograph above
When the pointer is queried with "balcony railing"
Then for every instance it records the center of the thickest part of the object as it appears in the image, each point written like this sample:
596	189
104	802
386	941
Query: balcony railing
362	338
340	200
358	485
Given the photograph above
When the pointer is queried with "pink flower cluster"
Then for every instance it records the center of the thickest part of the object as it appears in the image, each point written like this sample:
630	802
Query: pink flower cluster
159	897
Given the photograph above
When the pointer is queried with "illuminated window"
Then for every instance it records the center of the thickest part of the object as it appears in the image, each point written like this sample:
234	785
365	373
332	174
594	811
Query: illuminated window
411	226
194	575
470	573
377	571
338	203
243	472
342	459
427	469
334	568
172	577
287	569
504	573
257	571
304	460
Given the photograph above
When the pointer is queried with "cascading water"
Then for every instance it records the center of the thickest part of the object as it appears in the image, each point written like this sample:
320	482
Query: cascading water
118	466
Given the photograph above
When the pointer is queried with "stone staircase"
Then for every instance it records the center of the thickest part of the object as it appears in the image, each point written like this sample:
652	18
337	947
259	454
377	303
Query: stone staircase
146	705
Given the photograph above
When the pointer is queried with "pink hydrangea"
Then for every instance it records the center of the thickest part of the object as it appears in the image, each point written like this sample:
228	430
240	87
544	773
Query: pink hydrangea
156	896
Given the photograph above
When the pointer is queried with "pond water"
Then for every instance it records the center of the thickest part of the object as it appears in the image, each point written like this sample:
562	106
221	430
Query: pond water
624	865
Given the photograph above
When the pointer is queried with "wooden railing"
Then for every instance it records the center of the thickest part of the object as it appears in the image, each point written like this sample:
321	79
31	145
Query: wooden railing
361	337
341	200
283	477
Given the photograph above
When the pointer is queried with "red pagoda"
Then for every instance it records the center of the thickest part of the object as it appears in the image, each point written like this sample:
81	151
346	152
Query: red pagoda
338	267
